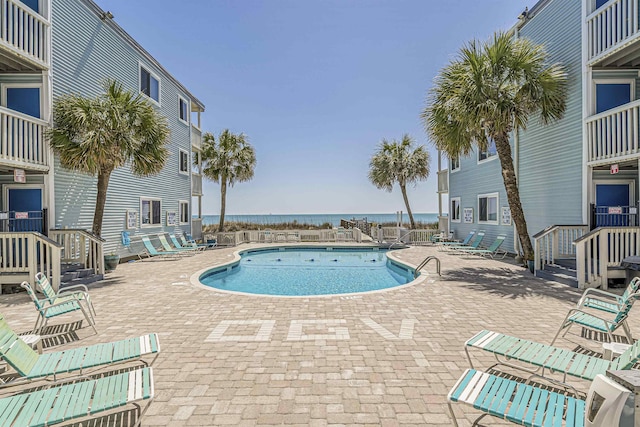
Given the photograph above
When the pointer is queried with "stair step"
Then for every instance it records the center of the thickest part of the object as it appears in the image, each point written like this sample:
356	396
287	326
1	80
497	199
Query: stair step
558	277
566	262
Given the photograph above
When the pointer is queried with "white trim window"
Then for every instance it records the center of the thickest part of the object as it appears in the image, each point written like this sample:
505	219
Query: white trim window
150	212
184	212
488	208
183	159
23	106
455	209
149	84
454	164
610	93
488	153
183	110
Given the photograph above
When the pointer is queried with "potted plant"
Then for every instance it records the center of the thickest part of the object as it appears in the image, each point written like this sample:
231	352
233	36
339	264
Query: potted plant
111	261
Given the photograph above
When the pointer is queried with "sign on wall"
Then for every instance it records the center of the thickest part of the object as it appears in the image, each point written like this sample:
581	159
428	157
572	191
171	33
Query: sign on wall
132	219
172	218
614	169
19	176
468	215
506	215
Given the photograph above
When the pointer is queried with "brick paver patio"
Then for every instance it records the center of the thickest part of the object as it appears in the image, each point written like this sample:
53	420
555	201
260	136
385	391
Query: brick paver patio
386	358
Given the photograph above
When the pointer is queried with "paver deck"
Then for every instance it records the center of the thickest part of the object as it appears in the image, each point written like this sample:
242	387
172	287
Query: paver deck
385	358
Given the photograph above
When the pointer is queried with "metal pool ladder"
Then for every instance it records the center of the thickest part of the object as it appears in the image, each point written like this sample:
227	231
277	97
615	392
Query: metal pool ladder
424	263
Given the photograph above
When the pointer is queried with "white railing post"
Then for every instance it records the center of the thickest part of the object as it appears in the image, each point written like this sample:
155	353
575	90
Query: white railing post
603	258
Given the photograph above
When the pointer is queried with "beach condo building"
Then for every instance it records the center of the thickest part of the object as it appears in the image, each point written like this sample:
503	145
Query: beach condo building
49	48
578	177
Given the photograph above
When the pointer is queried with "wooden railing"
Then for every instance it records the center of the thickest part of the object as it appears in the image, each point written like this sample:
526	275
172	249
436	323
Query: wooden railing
288	236
611	26
196	184
556	242
601	249
80	246
613	134
22	255
24	32
443	181
22	141
422	237
196	137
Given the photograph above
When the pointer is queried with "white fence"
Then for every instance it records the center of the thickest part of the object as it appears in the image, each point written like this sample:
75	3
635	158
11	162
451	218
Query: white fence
80	246
22	141
22	255
288	236
611	26
613	134
556	242
24	31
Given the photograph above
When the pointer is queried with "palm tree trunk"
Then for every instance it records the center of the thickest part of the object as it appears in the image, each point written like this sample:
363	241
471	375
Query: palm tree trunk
101	199
503	147
403	188
223	202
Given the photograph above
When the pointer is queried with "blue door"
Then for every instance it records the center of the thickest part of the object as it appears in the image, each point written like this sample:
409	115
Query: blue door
25	100
25	209
612	205
33	4
612	95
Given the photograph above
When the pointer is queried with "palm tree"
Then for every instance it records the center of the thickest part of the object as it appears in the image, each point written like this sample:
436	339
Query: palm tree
399	162
490	90
232	159
97	135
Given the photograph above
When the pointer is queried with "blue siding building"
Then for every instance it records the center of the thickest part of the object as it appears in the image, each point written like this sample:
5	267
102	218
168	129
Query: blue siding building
578	177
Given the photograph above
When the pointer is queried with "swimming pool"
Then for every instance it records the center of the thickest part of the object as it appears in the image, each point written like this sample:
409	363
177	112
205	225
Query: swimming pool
309	271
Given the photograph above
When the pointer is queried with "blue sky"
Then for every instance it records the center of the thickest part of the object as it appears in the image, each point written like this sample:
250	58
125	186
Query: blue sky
314	84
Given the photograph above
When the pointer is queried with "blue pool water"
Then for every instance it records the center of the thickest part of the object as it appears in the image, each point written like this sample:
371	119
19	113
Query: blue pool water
309	271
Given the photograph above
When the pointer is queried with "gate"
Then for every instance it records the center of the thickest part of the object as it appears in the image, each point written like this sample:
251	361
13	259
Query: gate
16	222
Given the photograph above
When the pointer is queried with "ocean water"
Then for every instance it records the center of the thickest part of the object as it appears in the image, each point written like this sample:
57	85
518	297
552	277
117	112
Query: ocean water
317	219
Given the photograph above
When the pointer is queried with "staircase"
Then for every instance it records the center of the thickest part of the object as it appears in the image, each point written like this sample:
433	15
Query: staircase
75	274
561	271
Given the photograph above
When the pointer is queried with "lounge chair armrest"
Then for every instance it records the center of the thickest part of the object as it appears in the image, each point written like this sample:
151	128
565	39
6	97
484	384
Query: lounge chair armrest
578	310
600	292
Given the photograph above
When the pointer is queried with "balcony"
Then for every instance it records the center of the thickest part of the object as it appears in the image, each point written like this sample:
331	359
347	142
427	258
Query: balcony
196	138
443	181
22	141
613	134
24	38
612	32
196	184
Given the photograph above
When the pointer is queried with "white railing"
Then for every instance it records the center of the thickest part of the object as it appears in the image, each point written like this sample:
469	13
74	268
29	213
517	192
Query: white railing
22	140
556	242
611	26
613	134
443	181
80	246
196	137
22	255
196	184
601	249
24	32
422	237
288	236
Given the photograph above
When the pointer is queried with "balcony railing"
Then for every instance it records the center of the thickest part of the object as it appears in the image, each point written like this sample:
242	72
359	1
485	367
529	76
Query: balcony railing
196	184
196	137
443	181
25	33
613	134
22	141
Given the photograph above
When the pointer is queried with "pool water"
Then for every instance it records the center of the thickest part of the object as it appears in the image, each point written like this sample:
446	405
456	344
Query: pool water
304	271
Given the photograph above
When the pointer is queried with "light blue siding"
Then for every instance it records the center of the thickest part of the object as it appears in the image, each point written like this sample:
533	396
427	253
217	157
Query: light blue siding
86	51
550	166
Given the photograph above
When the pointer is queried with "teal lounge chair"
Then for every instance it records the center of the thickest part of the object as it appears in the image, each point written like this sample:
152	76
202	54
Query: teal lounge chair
595	298
577	316
189	240
544	356
47	310
475	244
178	245
77	292
167	248
151	252
79	400
30	365
530	405
465	242
491	251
